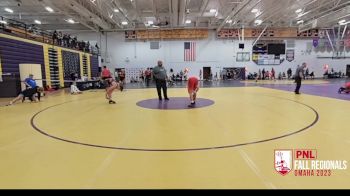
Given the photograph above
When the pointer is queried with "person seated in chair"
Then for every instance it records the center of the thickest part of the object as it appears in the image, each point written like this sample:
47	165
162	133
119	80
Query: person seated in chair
312	75
326	74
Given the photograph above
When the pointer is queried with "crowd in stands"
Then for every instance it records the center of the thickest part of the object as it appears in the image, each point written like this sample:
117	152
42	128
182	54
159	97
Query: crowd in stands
56	38
333	74
271	75
68	41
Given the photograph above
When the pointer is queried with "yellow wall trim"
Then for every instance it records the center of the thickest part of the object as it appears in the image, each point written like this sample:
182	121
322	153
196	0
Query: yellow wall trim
0	66
81	65
60	67
47	65
89	65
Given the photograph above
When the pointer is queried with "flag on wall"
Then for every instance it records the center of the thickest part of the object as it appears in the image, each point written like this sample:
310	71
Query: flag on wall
190	51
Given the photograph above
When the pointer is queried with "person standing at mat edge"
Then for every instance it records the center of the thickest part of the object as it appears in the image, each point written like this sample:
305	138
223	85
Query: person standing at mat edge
299	75
160	75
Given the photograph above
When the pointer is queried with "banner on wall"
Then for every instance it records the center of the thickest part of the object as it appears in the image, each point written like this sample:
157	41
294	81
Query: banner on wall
290	55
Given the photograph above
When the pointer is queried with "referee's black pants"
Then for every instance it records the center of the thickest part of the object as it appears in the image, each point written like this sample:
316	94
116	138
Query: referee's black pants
161	84
298	81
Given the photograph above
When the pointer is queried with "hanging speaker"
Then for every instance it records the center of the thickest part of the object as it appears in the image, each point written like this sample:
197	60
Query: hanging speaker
241	46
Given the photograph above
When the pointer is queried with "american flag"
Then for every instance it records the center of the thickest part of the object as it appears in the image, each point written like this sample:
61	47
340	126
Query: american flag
190	51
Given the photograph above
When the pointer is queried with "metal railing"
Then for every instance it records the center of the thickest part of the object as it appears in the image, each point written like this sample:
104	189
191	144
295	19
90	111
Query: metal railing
32	32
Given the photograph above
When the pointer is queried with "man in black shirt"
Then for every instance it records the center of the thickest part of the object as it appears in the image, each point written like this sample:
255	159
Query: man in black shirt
160	75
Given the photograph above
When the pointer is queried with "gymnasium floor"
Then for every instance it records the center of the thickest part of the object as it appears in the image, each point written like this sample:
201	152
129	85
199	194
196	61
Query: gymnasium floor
82	142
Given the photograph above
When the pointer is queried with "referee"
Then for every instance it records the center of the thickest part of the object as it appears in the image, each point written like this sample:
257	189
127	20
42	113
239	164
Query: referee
299	75
160	75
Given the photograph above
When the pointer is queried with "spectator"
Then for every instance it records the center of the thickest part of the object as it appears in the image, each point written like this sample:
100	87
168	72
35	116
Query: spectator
74	42
87	48
263	74
55	38
312	75
273	77
267	75
122	79
60	37
306	74
259	76
289	73
98	48
65	40
148	76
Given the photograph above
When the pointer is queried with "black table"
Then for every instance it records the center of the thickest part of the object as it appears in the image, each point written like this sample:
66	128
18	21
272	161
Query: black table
10	86
88	85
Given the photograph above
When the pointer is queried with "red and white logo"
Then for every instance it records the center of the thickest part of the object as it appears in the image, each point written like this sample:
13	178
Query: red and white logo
283	161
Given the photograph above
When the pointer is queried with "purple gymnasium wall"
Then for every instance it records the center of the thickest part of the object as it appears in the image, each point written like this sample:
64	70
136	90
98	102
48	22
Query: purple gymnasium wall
94	66
15	52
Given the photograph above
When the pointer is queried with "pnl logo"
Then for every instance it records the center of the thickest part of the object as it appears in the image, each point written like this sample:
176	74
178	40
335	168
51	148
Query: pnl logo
305	163
283	161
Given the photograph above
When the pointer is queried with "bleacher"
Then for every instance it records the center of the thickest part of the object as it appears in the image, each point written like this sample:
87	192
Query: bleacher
25	31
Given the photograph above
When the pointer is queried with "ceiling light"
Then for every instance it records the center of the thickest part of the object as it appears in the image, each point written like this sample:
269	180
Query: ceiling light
300	15
116	10
298	11
49	9
8	10
229	21
70	21
188	21
255	10
124	23
37	21
212	10
342	21
150	22
3	22
300	21
258	22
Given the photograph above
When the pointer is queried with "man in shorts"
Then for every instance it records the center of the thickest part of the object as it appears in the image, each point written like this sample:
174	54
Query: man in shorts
193	87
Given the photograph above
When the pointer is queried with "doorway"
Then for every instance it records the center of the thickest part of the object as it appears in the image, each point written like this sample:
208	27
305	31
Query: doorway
207	73
348	70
